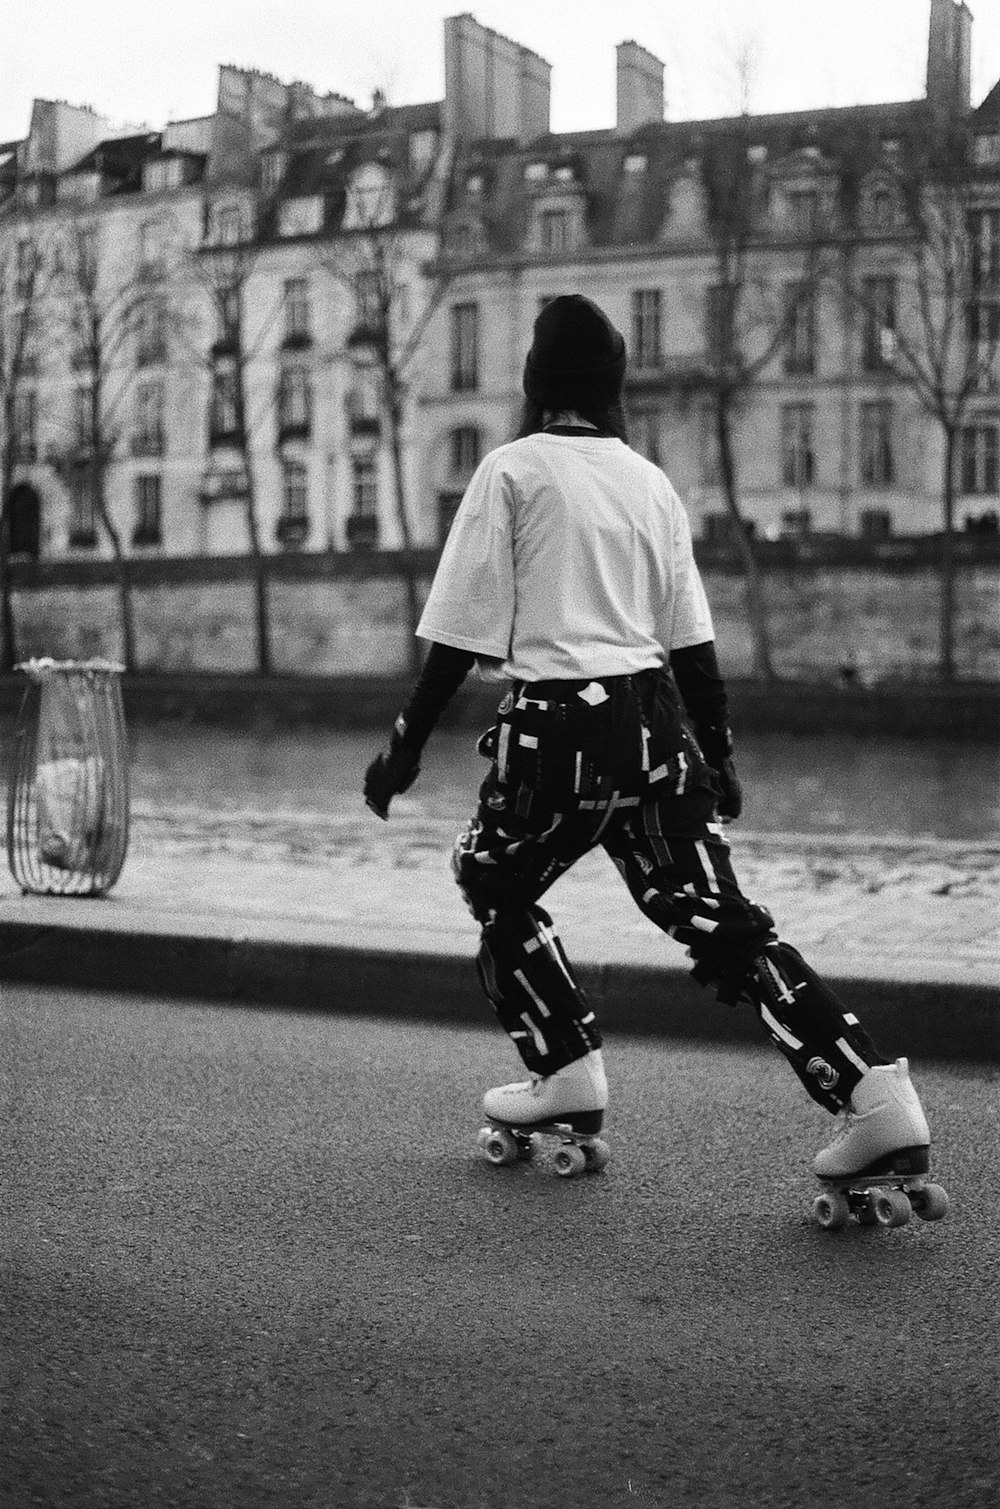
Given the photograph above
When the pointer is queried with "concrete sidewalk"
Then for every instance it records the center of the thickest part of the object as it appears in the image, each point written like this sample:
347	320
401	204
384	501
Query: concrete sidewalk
346	913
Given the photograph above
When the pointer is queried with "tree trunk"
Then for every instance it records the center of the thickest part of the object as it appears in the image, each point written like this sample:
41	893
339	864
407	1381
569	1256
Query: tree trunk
946	666
125	614
763	661
262	614
395	407
8	633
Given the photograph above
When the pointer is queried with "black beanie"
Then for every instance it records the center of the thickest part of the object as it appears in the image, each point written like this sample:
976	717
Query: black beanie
577	356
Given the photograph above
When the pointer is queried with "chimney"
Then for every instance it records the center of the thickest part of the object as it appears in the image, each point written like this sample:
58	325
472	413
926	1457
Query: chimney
493	87
949	58
640	87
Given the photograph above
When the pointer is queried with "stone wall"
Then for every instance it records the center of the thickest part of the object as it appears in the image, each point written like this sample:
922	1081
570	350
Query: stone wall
354	623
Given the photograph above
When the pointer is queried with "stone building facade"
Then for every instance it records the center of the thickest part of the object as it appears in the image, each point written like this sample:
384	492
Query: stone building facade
324	309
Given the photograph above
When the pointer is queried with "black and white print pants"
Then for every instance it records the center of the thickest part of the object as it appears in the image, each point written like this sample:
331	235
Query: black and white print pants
677	867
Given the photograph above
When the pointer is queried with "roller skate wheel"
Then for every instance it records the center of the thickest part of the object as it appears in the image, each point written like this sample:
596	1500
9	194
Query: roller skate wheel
597	1154
832	1210
890	1207
569	1161
500	1146
930	1202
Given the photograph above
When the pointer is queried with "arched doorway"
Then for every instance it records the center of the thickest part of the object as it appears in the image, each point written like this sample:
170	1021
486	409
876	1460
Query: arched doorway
23	521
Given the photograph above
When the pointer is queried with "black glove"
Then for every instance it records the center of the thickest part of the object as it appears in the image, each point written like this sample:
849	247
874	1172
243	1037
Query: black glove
391	772
717	747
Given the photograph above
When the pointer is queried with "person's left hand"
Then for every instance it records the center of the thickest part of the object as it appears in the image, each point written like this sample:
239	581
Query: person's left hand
390	773
730	803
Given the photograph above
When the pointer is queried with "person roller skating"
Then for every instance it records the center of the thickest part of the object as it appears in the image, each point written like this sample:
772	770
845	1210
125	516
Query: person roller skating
569	571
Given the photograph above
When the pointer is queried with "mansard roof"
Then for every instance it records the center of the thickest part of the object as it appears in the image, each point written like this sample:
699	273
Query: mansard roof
620	207
120	159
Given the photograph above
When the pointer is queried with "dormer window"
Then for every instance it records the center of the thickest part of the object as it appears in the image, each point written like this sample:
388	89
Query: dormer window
636	162
370	199
565	174
229	224
272	170
301	217
475	184
757	153
536	172
423	150
162	174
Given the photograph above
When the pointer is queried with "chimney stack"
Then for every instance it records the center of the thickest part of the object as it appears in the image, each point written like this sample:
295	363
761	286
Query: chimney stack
949	58
493	87
640	88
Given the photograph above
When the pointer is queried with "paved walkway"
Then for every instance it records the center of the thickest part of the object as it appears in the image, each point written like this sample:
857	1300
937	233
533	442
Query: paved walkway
277	905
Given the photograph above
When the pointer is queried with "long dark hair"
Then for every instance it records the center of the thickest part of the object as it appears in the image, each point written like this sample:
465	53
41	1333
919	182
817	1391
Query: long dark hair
609	418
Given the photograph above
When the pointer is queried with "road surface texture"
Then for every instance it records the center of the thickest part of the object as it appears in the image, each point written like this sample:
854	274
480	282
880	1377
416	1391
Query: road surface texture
253	1258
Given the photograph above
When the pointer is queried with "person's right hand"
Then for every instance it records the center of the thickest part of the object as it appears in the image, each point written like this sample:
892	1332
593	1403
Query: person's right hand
390	773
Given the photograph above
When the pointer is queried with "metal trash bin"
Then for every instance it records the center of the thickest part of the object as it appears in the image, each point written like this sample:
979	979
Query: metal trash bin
68	798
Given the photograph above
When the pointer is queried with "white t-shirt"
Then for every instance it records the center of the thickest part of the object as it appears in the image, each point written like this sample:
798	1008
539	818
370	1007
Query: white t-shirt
570	557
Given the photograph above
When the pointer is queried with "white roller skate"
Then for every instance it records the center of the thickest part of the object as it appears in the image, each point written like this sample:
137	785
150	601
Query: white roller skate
568	1106
875	1167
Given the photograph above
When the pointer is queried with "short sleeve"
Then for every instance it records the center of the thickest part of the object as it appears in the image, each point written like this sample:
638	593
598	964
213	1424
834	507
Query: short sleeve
471	602
692	617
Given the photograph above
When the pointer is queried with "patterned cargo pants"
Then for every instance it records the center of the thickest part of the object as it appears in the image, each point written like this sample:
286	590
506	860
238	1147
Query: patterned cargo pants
677	867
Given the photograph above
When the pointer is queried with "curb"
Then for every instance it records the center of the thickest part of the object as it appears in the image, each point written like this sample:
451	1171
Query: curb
958	1021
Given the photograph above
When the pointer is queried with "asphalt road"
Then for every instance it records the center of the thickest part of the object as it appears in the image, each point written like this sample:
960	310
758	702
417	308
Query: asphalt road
253	1258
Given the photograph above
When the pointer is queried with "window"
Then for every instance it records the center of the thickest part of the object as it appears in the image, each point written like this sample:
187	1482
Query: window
800	318
368	292
25	424
224	415
148	436
228	224
646	316
82	513
151	333
423	150
883	212
877	468
365	491
720	315
227	304
148	511
297	309
151	260
554	231
27	268
294	401
464	347
466	449
295	490
635	162
536	172
798	461
983	328
803	211
83	418
879	296
301	217
272	171
979	459
984	235
164	173
645	434
370	198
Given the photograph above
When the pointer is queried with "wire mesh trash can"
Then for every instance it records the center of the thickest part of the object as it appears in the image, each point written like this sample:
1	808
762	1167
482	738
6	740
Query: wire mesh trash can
68	798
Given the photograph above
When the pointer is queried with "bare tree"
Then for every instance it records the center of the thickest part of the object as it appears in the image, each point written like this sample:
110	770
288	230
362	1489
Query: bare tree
750	319
375	265
226	264
23	272
932	312
100	315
